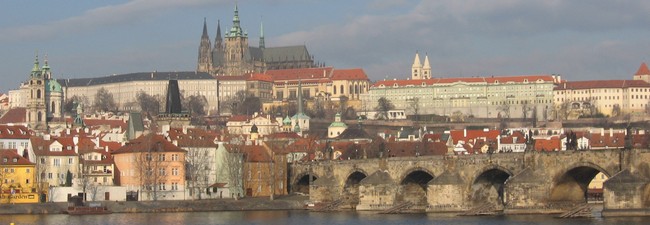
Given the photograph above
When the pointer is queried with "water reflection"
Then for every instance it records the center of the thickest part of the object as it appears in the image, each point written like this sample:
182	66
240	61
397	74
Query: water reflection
302	218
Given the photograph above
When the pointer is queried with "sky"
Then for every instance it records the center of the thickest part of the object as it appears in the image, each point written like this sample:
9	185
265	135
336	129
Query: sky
580	40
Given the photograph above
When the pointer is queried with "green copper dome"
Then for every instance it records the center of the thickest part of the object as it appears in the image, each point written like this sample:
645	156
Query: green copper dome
53	86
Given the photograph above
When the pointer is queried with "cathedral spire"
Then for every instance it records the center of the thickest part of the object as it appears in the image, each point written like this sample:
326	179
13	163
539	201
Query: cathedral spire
236	30
205	29
262	45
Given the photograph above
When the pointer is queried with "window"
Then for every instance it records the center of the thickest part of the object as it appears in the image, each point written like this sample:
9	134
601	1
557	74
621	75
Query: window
57	162
148	157
161	172
161	157
70	161
27	170
49	175
175	171
174	157
4	159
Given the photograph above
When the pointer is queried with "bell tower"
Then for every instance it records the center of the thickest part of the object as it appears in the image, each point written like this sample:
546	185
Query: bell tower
36	114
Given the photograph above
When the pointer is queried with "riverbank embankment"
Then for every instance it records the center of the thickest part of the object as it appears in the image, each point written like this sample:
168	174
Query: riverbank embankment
244	204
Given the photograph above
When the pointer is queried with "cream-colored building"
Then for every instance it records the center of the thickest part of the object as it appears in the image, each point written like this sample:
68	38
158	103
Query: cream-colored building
125	87
605	96
483	97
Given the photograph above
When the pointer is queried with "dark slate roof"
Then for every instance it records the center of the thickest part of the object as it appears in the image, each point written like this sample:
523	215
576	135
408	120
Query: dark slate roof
135	77
291	53
354	132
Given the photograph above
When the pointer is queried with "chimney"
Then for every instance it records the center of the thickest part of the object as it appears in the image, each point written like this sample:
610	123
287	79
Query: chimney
602	131
67	131
184	130
106	148
75	140
46	137
611	132
465	132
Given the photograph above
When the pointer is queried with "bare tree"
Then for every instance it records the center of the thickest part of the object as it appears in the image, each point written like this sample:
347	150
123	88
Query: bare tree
233	103
383	106
195	104
616	110
149	104
457	116
197	169
233	165
414	106
150	170
104	101
318	108
525	108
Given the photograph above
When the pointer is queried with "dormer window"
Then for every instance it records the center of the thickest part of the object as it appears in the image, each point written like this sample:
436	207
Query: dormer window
15	160
4	159
395	85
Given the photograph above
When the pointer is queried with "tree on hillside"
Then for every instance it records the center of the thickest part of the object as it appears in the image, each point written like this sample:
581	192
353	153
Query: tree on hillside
383	106
149	104
232	103
195	105
104	101
250	105
414	106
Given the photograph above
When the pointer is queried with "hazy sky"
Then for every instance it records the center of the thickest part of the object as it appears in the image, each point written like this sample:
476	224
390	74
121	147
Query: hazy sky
581	40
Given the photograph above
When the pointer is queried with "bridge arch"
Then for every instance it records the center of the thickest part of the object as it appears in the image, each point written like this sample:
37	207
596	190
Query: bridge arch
350	193
413	186
302	182
571	185
488	186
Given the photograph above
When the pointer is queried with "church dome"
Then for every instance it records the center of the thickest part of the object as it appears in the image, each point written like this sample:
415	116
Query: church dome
53	86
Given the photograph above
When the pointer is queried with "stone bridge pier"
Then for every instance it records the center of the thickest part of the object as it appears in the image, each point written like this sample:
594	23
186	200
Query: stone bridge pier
531	182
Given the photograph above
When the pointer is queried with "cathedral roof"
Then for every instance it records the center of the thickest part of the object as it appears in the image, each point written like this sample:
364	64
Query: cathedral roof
286	53
190	75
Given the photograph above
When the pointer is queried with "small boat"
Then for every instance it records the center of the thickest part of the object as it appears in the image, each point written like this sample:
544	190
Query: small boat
88	210
77	207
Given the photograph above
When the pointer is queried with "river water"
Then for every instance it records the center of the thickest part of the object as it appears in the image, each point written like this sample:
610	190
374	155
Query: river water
301	218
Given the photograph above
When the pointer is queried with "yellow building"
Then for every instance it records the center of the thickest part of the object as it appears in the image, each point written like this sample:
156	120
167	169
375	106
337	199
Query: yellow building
17	175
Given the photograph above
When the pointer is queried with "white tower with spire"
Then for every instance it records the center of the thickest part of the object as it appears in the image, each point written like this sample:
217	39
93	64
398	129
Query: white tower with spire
416	69
426	69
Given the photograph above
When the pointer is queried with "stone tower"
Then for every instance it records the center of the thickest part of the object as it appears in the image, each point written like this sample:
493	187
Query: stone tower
416	68
236	47
205	57
426	69
643	73
36	113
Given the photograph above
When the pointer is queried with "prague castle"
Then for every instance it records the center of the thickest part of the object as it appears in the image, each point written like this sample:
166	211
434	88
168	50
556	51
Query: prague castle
232	55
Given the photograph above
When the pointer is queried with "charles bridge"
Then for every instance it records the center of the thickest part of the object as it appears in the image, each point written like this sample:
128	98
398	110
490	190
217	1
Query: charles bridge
514	183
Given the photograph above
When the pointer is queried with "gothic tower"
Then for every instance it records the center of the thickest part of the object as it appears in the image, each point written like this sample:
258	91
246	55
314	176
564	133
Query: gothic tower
426	69
262	45
205	58
416	68
236	47
36	111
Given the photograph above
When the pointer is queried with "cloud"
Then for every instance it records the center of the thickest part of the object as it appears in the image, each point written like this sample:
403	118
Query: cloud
485	37
100	17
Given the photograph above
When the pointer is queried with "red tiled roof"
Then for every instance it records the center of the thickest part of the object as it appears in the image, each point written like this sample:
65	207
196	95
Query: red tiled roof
148	142
42	147
10	155
548	144
259	77
510	139
487	80
255	153
15	132
194	137
643	70
590	84
15	115
458	135
349	74
304	73
239	118
283	135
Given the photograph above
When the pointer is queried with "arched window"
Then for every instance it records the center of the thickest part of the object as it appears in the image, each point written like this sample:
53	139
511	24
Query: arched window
53	108
341	89
334	90
38	93
40	117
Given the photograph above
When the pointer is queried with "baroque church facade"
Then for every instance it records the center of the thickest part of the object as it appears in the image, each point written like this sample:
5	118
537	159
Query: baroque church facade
232	55
44	97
